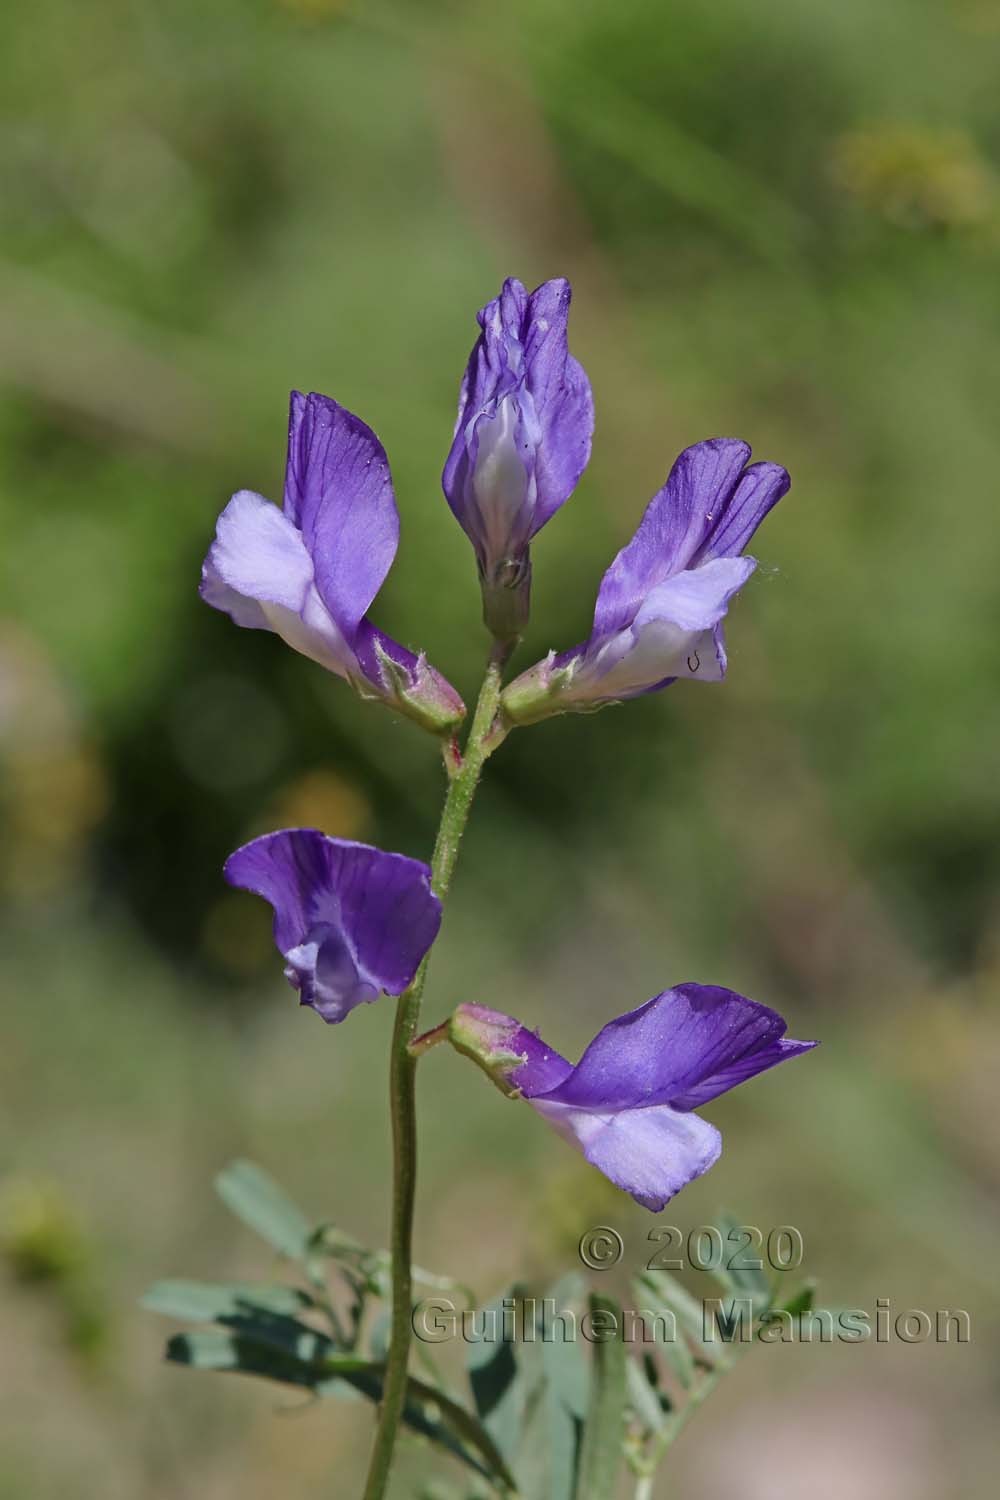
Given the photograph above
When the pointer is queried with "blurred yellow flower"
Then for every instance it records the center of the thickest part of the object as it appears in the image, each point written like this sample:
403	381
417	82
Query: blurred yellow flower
918	176
323	800
54	787
39	1236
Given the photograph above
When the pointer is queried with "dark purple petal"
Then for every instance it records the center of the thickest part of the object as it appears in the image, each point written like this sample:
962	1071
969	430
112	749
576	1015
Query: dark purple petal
542	1067
286	868
739	1070
761	487
338	492
564	405
259	572
675	1042
675	525
489	377
650	1153
351	921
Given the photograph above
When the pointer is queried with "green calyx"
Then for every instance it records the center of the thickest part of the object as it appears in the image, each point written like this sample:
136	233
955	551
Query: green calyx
483	1036
537	694
507	599
419	694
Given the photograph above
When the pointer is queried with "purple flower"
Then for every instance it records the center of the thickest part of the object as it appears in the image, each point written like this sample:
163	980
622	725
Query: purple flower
310	571
522	440
661	603
627	1104
350	921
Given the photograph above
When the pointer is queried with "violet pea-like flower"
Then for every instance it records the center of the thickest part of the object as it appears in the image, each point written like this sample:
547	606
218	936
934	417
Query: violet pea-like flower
350	921
522	440
310	571
661	603
628	1103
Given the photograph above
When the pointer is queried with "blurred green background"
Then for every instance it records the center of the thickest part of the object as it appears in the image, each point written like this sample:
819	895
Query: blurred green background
782	222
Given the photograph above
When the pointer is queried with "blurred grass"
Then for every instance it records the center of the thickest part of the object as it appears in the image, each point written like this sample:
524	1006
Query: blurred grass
780	222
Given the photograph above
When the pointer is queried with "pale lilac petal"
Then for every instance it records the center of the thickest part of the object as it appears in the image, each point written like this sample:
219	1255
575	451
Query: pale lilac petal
313	633
695	658
716	643
351	921
672	635
500	514
696	600
675	632
259	572
258	555
651	1153
676	523
247	613
637	661
338	492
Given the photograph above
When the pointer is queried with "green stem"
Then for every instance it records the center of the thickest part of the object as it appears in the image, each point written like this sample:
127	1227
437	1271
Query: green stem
464	775
646	1468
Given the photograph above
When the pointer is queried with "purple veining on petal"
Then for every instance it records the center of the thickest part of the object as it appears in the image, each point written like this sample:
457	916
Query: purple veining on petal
654	1054
760	488
738	1071
338	492
672	530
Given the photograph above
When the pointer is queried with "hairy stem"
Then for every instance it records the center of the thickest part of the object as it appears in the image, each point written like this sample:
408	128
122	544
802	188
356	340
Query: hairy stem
464	775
